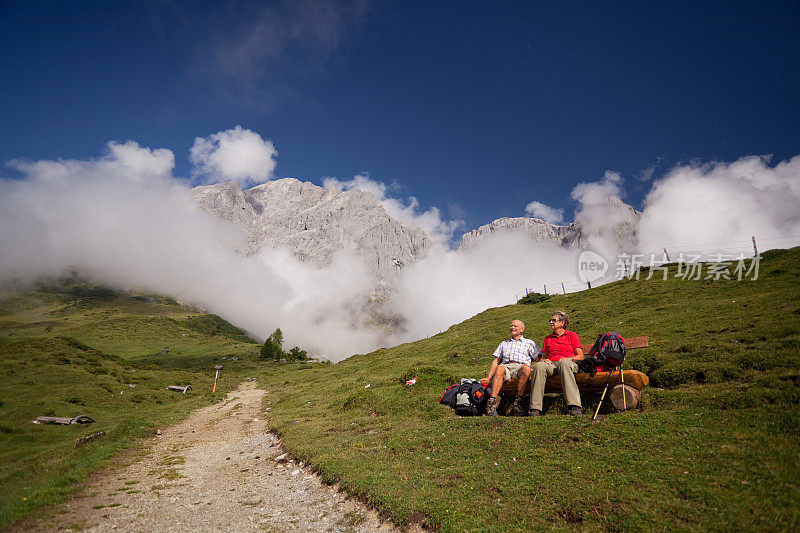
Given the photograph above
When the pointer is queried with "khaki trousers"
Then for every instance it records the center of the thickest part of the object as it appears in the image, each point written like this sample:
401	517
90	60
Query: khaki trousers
566	368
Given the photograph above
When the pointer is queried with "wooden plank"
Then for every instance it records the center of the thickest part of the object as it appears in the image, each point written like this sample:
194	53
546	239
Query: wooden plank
585	382
632	343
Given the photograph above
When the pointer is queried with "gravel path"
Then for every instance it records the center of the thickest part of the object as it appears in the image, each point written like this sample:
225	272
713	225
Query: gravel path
215	471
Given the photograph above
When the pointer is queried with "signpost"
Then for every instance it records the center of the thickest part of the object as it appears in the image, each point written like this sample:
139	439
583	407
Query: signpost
218	368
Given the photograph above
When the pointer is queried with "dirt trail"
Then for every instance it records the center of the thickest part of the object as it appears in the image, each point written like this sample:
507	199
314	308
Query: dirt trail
215	471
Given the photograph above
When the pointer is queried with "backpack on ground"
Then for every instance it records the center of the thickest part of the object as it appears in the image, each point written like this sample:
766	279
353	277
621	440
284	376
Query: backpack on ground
467	398
607	352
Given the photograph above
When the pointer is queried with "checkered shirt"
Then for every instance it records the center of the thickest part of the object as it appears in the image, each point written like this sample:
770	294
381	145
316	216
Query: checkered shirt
522	351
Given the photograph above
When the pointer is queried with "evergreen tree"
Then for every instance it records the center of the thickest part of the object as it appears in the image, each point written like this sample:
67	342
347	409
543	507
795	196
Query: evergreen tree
296	354
273	347
277	338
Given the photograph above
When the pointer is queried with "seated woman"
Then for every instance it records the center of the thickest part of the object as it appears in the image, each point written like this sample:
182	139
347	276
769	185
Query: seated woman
560	352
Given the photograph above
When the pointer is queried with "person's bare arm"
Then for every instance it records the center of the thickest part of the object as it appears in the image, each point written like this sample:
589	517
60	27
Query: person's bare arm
578	355
492	369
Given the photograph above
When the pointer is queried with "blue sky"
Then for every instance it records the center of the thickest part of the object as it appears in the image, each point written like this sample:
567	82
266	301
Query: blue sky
477	108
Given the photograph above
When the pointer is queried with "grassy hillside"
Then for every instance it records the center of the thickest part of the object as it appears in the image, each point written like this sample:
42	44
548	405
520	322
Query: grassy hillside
714	444
71	348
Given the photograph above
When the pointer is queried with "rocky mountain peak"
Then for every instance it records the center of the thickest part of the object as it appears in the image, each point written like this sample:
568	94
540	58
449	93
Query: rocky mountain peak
314	223
608	221
538	230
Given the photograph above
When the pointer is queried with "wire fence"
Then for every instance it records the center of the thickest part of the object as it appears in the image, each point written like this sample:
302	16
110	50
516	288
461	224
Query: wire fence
629	264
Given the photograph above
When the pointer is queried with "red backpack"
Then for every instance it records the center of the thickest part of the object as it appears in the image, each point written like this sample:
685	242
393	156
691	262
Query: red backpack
607	352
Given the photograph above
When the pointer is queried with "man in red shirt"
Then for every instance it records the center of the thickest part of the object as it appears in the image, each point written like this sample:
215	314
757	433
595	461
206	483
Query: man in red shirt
560	352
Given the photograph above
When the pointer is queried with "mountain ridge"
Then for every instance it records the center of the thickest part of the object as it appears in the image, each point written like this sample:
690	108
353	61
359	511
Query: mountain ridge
315	223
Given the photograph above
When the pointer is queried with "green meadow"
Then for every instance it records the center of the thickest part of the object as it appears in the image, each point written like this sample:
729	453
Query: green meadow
69	348
713	445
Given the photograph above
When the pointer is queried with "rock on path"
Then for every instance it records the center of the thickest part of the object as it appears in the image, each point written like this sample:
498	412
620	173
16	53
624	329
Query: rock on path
215	471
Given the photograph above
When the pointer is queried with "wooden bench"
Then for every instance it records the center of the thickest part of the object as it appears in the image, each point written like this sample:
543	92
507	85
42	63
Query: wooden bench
595	383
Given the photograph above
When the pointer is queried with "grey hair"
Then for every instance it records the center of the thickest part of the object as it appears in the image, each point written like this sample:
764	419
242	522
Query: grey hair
561	316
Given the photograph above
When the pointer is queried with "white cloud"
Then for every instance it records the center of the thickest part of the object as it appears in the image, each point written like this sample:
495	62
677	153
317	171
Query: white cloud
609	186
127	162
545	212
601	213
446	287
235	154
359	182
706	204
126	221
406	212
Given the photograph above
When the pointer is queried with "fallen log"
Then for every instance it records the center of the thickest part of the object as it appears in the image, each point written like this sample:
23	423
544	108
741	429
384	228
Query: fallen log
586	382
80	419
87	438
631	397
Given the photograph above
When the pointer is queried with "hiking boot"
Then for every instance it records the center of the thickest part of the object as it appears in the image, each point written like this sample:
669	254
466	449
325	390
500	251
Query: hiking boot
534	412
518	409
491	406
574	410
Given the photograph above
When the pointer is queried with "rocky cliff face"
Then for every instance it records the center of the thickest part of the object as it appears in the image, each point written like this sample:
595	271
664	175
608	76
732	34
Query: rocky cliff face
610	222
314	223
538	230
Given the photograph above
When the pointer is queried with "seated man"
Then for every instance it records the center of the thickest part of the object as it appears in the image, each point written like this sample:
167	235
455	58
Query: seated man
512	359
561	351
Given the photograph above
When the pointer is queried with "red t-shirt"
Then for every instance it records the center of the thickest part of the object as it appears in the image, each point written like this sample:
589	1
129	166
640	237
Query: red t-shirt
555	348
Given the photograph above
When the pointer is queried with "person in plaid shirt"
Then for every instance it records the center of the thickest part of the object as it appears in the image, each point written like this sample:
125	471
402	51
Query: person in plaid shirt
512	359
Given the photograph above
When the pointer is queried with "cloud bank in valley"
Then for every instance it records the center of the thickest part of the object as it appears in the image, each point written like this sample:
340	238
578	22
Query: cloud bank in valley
126	220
